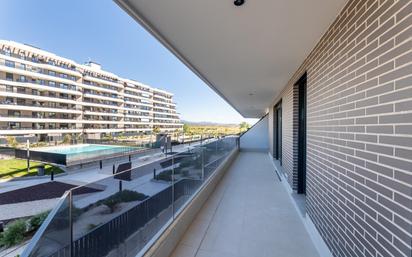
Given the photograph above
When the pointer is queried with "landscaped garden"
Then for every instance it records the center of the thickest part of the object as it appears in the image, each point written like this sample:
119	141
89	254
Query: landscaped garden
22	229
98	213
15	168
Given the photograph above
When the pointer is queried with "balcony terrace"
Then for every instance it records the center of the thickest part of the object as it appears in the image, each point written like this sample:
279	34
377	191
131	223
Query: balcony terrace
331	84
250	213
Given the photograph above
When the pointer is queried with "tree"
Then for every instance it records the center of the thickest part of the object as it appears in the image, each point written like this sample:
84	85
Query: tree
108	137
11	141
79	138
156	130
176	133
243	126
67	138
186	128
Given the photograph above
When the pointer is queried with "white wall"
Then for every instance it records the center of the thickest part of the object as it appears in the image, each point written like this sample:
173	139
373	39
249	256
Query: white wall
257	137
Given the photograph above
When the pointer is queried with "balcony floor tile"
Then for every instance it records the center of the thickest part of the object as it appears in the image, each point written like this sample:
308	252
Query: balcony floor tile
249	214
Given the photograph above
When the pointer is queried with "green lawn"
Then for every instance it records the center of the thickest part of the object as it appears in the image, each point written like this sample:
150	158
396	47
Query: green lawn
14	168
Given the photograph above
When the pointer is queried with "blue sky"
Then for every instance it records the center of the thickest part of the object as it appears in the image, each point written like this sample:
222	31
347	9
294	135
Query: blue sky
101	31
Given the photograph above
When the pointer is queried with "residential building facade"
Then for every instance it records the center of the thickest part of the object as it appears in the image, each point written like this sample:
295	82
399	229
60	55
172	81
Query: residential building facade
46	95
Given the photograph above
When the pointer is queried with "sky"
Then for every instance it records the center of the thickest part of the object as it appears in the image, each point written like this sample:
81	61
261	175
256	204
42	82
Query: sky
100	31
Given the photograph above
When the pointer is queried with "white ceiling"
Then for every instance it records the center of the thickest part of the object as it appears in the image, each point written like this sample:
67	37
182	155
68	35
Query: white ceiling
246	54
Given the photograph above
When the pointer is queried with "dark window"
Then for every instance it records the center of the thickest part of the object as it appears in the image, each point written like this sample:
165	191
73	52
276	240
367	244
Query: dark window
9	76
14	125
14	113
10	64
301	84
9	100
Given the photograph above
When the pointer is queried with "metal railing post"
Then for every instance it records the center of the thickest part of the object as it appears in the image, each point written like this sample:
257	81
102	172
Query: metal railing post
28	156
71	222
173	189
203	163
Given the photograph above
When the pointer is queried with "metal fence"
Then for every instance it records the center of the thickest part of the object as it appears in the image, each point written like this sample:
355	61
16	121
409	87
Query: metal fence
103	239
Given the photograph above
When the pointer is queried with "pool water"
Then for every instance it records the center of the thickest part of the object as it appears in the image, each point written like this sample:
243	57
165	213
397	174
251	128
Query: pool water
86	151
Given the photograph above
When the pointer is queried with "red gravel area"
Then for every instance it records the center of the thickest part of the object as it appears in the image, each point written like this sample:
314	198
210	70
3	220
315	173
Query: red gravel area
42	191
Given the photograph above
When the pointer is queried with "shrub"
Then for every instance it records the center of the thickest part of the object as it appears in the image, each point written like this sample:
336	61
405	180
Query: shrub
38	144
76	212
91	226
14	233
164	175
122	197
185	173
108	137
36	221
186	163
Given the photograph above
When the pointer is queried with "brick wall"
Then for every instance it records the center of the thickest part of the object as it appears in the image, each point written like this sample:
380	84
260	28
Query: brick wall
359	131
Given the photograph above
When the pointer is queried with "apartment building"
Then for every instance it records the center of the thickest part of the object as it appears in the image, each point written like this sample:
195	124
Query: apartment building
48	96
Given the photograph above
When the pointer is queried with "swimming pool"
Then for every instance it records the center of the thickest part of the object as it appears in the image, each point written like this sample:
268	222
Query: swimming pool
88	151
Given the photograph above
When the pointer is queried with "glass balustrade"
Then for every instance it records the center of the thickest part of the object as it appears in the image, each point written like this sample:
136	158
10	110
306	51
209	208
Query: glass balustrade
122	214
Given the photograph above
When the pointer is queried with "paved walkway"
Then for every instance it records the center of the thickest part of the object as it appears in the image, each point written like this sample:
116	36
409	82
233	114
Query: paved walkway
249	214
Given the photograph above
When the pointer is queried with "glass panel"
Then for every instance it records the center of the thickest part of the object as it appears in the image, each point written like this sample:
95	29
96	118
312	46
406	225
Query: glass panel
210	157
187	176
53	237
121	212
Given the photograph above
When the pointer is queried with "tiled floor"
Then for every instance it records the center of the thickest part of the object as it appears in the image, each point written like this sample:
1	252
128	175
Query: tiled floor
248	215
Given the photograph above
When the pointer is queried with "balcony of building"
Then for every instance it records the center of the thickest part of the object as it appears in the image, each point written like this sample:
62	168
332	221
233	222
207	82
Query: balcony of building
250	213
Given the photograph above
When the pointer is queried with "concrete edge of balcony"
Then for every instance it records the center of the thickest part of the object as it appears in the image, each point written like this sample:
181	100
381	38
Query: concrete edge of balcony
165	243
